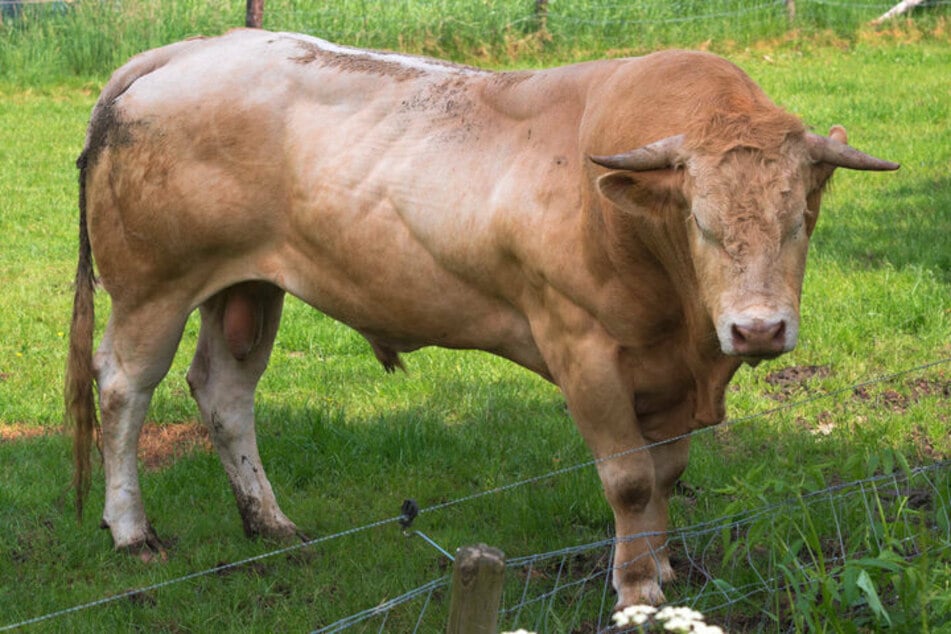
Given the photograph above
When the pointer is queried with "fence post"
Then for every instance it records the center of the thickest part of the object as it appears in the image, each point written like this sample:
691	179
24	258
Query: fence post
791	11
477	576
541	15
254	16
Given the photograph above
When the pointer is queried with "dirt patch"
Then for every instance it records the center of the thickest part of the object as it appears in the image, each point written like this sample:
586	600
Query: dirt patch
899	401
797	374
792	379
159	445
930	387
19	431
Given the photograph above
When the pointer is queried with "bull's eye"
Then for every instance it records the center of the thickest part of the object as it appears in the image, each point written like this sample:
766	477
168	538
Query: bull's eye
796	230
706	233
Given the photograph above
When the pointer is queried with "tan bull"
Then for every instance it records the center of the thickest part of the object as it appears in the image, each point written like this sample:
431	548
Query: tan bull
631	229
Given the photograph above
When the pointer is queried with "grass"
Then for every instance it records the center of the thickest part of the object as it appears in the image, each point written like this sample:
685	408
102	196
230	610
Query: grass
345	444
84	38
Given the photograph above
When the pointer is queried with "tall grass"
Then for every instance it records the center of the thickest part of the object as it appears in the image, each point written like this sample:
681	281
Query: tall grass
344	444
89	38
55	41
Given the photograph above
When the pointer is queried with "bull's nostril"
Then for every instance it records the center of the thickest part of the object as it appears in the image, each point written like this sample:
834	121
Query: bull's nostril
759	337
738	336
779	336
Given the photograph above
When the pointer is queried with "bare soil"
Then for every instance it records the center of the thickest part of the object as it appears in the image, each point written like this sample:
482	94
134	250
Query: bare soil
159	445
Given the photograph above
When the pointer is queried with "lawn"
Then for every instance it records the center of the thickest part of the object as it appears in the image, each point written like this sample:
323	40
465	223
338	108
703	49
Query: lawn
344	444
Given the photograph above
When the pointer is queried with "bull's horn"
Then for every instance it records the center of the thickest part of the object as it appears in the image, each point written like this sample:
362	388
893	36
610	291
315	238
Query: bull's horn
825	150
657	155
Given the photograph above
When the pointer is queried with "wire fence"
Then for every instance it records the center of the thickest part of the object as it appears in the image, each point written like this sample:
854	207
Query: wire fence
94	37
725	567
731	568
738	569
504	28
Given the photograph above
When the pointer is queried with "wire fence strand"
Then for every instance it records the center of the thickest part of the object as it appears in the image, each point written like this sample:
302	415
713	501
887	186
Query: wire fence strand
709	526
720	524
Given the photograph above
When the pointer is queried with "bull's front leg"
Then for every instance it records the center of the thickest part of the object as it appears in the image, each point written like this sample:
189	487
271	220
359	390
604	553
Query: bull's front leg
636	480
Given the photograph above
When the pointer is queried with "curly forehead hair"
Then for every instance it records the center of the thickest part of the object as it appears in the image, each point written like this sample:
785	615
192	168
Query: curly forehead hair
741	121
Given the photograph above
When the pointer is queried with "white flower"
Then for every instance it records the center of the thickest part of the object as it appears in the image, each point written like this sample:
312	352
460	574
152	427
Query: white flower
620	618
686	614
634	615
679	624
681	620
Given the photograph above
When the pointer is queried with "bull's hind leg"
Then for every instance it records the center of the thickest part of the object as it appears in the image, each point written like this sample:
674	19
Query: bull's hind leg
238	326
135	353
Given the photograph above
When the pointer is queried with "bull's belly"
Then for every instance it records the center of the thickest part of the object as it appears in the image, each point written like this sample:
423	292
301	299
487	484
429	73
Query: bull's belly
403	307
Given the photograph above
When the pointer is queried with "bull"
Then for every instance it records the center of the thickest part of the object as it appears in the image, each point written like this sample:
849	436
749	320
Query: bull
632	230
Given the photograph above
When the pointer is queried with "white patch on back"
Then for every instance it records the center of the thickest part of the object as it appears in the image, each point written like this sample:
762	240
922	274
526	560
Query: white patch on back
407	61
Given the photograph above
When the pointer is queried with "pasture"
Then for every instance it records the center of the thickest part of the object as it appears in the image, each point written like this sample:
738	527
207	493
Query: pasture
865	395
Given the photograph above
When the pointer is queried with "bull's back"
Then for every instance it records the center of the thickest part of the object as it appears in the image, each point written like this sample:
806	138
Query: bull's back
246	157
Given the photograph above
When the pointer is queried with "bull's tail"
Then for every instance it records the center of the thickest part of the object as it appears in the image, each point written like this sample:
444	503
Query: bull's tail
79	395
80	399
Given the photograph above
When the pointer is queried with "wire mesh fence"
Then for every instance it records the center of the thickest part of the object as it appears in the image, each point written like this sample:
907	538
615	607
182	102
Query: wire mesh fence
93	37
854	546
744	571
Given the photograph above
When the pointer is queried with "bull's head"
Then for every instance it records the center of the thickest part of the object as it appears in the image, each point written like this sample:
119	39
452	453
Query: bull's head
748	219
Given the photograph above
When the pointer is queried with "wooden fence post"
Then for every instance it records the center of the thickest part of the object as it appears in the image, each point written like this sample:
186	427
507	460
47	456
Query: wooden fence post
254	16
541	16
477	576
791	11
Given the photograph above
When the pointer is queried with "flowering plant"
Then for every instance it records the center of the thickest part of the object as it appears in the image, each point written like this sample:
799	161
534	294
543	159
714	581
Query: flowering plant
671	619
681	620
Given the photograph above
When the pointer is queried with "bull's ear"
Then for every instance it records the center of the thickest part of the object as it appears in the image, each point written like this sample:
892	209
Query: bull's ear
838	133
821	173
821	170
643	191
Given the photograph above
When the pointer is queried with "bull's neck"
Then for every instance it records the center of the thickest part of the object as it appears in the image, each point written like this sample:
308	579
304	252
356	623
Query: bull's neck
652	259
650	250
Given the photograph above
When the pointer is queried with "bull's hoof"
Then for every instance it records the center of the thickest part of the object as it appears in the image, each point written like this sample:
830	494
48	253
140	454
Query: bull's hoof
645	592
666	571
283	531
148	549
264	519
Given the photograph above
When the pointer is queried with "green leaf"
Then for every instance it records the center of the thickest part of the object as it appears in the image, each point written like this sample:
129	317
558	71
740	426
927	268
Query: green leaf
865	584
879	562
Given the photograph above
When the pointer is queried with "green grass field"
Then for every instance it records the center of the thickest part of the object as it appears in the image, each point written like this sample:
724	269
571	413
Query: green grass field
345	444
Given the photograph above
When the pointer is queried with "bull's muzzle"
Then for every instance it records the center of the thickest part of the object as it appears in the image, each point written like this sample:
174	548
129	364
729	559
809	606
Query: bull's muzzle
760	336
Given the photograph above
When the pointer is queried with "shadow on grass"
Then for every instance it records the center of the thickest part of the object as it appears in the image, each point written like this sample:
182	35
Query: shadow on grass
913	228
334	472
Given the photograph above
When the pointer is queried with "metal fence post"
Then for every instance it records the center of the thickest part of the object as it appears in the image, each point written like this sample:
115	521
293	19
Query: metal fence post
477	576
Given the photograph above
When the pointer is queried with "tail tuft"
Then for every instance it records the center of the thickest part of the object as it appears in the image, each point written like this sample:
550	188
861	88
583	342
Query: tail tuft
79	394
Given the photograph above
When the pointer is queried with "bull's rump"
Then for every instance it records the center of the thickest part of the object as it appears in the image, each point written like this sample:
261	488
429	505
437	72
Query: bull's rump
241	158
